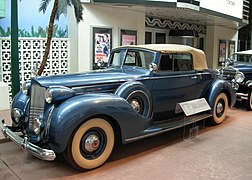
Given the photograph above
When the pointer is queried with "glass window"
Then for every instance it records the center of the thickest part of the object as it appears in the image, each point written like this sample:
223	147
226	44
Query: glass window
148	37
160	38
166	62
176	62
183	62
116	58
139	58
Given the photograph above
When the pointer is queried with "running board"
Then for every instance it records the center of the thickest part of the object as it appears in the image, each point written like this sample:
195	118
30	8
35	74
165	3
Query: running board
168	125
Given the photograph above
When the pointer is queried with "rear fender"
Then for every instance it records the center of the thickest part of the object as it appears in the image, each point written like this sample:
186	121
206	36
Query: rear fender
75	111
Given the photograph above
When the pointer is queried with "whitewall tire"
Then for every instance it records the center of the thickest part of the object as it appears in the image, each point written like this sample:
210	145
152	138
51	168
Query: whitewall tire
91	145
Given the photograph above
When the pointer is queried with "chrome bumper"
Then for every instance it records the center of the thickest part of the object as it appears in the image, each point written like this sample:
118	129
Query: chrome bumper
44	154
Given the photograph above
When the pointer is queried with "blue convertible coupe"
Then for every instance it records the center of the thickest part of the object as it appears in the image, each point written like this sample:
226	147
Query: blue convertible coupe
83	115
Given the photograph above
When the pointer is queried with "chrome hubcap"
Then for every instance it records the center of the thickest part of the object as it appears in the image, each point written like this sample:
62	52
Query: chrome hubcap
219	108
135	105
92	143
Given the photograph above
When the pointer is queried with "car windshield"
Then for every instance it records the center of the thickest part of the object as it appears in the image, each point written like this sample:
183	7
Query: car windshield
132	57
244	58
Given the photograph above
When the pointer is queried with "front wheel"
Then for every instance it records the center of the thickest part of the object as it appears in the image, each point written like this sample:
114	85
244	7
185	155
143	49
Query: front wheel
91	144
249	102
220	109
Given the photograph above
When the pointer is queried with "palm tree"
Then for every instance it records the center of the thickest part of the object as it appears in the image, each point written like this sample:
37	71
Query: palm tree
59	7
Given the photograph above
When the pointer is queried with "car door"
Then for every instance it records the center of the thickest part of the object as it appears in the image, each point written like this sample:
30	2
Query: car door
174	82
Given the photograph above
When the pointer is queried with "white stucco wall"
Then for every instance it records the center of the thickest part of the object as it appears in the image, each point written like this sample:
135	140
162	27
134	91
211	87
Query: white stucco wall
106	17
4	98
214	34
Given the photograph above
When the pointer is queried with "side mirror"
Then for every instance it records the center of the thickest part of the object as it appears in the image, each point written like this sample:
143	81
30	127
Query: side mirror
153	67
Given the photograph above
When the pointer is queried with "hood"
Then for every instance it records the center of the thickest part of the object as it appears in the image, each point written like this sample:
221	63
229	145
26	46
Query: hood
243	67
110	75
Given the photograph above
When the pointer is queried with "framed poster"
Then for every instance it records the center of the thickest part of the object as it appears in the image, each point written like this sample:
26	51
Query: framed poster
231	49
222	51
128	37
102	43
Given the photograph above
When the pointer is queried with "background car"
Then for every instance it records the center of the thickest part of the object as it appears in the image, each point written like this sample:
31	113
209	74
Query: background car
84	115
242	64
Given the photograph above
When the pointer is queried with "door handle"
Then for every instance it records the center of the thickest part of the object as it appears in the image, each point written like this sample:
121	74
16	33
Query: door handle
194	77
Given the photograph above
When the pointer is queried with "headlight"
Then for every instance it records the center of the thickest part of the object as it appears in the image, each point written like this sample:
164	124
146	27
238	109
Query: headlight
58	94
48	96
26	87
239	77
17	114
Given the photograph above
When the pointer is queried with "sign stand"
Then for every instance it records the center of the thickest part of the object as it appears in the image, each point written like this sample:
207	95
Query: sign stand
192	109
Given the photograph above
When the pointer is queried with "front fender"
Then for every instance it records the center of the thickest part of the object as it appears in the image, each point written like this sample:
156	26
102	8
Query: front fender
221	86
249	84
20	101
75	111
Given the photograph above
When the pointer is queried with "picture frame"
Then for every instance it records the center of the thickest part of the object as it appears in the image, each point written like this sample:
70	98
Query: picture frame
222	51
102	45
231	49
128	37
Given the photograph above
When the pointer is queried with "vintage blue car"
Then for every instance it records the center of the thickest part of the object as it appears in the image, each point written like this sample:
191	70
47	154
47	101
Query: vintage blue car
84	115
242	64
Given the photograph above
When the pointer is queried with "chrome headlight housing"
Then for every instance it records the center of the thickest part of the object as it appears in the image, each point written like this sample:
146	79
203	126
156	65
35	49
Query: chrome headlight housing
58	94
17	114
48	96
26	87
239	77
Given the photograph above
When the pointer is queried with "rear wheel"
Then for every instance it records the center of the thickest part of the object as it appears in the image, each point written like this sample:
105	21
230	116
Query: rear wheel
220	109
249	102
91	144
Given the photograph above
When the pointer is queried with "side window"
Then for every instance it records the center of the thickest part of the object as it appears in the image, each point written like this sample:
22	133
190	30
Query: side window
116	59
133	59
146	58
166	62
176	62
183	62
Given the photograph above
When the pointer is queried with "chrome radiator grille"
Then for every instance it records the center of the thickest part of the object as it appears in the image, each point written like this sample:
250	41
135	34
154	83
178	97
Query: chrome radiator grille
37	103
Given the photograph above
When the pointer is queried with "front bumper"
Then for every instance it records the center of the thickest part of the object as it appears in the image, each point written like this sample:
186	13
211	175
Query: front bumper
41	153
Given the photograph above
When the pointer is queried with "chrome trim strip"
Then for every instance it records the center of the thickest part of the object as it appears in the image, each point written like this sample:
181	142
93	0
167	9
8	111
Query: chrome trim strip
99	91
97	85
48	123
41	153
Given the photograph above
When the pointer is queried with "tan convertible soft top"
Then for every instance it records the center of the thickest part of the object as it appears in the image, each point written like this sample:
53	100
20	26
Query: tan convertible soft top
199	58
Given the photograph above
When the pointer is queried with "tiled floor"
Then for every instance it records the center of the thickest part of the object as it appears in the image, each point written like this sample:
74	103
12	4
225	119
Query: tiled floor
4	114
219	152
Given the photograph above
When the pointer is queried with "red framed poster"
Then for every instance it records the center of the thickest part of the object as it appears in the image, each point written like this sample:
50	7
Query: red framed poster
128	37
102	43
222	51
